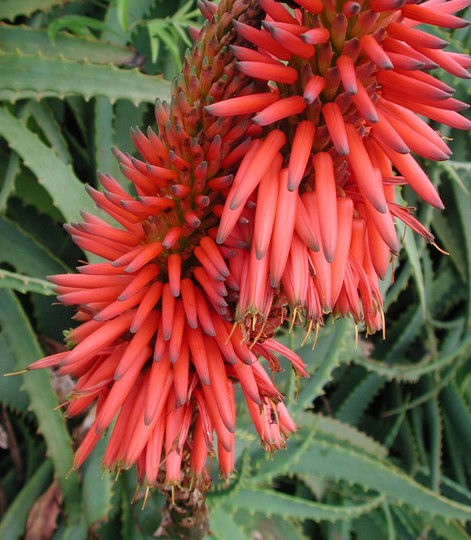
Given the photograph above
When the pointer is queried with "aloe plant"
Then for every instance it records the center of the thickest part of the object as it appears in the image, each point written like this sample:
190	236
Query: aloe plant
384	434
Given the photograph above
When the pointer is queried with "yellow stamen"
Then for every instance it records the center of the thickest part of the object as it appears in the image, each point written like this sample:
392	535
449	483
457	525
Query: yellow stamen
308	333
232	332
293	320
257	337
16	373
146	496
61	405
440	249
136	491
316	335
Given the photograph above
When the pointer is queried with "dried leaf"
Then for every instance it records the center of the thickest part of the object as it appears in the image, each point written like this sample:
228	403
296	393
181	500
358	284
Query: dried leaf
42	518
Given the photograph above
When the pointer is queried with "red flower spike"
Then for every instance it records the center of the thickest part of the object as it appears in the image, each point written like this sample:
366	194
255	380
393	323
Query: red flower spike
384	132
242	105
258	272
375	52
277	11
223	341
137	344
350	9
188	294
415	177
262	39
300	151
199	450
175	342
174	422
265	213
347	73
326	190
100	338
204	315
224	436
292	42
244	184
314	87
415	38
147	303
160	382
336	126
363	171
313	6
268	72
139	301
293	28
384	224
283	228
181	373
212	251
304	227
281	109
251	55
426	15
344	224
119	391
168	288
365	105
316	36
196	342
219	385
146	275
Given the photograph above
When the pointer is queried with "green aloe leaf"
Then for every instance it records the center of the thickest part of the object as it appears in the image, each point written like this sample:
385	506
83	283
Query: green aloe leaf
463	205
458	413
36	40
357	401
335	343
343	433
25	253
447	530
122	7
412	372
13	523
9	179
51	128
272	502
223	525
414	258
24	284
11	393
97	487
36	76
65	188
23	344
77	24
10	9
331	460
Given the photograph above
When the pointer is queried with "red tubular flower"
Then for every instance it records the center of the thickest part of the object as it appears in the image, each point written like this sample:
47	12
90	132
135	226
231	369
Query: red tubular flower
347	83
157	349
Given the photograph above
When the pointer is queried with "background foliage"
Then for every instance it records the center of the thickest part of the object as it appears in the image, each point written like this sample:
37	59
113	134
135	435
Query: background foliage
385	440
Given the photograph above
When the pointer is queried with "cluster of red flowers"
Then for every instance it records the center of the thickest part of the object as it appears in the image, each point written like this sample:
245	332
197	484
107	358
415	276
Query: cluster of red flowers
266	195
